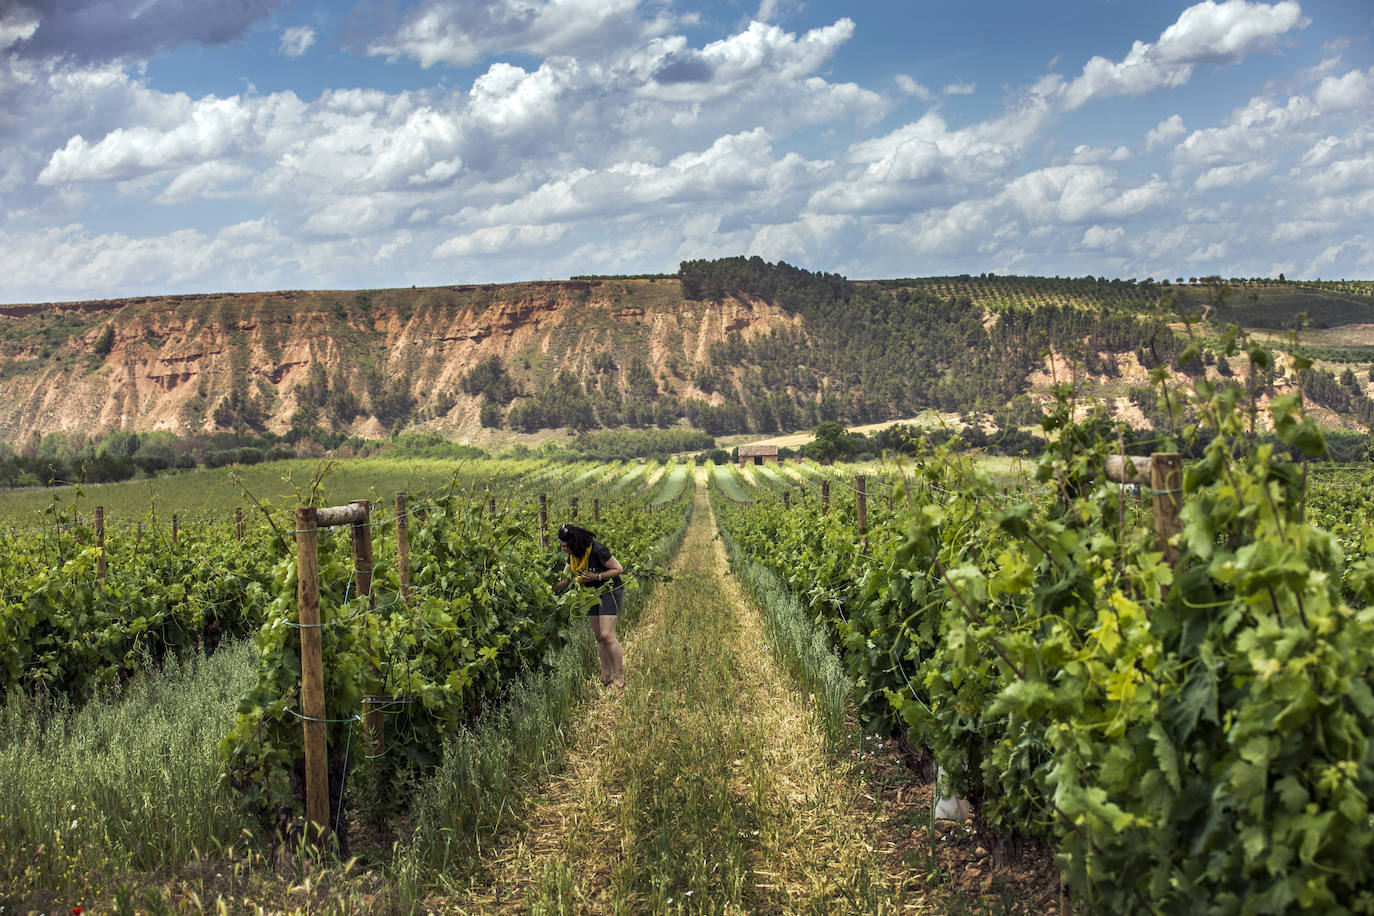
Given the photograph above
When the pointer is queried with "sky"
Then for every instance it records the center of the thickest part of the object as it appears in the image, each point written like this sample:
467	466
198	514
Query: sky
152	147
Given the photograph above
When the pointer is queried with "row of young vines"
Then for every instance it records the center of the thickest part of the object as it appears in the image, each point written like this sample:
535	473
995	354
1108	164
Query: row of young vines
480	612
1189	737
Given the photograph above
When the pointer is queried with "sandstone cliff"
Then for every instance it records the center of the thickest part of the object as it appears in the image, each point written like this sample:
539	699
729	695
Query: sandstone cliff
169	362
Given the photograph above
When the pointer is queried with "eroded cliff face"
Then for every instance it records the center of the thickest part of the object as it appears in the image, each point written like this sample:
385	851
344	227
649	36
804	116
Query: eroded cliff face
167	363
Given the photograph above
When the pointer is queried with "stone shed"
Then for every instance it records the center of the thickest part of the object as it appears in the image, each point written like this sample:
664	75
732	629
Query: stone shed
758	454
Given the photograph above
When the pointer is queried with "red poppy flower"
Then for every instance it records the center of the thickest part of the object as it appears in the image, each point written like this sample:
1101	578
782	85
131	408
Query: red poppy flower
76	911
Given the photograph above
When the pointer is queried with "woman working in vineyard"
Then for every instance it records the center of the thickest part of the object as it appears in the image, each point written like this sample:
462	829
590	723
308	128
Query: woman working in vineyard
591	563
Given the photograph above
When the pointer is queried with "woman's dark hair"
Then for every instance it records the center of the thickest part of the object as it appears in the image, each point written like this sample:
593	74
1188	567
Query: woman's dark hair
577	539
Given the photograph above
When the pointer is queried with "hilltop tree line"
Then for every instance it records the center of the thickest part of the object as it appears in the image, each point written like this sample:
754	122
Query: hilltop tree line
868	352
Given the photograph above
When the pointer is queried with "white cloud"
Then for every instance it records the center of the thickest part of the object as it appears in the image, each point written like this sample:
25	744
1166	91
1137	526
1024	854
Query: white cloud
1166	131
810	239
1301	230
1225	176
296	40
462	34
1079	194
206	179
1092	155
1343	175
731	64
1211	254
17	24
500	238
633	149
1208	32
1352	91
1097	238
1357	251
913	88
1251	132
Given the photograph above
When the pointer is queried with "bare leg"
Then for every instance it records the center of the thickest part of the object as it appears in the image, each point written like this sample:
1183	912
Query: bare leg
603	652
608	649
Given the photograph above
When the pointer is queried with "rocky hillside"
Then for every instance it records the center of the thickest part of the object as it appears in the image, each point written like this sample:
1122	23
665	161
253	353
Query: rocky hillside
174	362
730	346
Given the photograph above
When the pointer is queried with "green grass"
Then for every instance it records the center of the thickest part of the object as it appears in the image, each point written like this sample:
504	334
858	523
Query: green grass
120	788
205	493
728	479
631	477
801	647
120	806
673	484
488	774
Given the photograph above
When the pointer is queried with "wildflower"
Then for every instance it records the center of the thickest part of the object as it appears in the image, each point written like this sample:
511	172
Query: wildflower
73	826
76	911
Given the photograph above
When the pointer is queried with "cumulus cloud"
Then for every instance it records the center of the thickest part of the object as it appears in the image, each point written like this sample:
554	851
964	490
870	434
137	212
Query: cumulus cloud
461	34
1217	33
296	40
1079	194
90	31
1352	91
1165	132
184	133
1251	131
1098	238
632	148
761	51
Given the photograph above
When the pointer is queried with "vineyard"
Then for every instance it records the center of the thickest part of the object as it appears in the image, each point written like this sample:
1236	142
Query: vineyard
1156	675
1182	722
450	614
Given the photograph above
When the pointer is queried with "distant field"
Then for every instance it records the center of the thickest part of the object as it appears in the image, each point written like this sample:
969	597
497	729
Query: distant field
204	494
927	419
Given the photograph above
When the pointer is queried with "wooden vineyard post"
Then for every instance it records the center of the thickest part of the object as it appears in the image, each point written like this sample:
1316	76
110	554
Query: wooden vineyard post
1166	485
100	542
308	522
787	499
543	520
596	511
491	504
861	503
825	497
238	524
1131	469
572	507
312	669
138	537
361	533
403	544
176	529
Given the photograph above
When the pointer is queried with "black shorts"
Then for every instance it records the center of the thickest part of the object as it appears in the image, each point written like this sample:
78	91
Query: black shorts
609	605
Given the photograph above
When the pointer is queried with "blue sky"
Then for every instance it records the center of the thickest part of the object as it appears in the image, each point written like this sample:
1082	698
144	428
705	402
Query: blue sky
165	146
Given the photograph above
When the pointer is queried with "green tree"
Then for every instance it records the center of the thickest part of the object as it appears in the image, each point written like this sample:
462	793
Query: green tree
832	441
